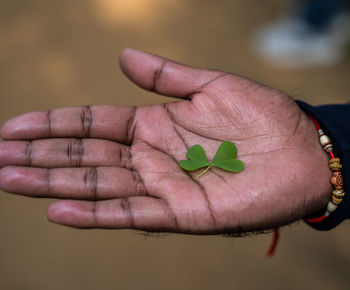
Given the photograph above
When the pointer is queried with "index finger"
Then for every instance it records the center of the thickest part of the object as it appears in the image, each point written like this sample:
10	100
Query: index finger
103	122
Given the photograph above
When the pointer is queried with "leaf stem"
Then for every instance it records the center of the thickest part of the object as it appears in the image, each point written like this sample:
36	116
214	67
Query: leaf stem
204	171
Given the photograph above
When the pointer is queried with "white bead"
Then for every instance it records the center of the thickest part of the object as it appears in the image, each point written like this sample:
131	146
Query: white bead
336	202
325	140
328	148
331	206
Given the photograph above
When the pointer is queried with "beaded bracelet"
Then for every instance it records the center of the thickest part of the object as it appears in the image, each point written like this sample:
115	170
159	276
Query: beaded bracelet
336	180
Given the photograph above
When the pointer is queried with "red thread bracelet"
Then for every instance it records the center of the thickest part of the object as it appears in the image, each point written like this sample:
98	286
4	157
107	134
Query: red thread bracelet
272	248
337	179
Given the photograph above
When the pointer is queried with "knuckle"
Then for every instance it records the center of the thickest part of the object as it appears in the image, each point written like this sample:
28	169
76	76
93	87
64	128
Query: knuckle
125	157
86	119
75	151
91	182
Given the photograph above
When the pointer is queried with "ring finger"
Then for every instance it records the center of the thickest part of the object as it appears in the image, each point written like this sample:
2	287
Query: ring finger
72	152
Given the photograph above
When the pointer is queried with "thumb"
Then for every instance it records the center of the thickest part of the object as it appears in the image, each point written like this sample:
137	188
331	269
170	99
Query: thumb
163	76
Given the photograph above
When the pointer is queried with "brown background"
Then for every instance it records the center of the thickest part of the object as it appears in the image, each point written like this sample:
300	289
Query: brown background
63	53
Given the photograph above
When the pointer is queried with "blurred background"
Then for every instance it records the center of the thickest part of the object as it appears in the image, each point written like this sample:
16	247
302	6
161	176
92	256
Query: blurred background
64	53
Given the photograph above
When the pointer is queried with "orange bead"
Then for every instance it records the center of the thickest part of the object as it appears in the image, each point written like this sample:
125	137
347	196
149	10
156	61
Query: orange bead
336	200
337	179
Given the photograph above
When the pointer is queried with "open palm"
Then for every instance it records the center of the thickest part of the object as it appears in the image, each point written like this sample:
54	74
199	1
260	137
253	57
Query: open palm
117	167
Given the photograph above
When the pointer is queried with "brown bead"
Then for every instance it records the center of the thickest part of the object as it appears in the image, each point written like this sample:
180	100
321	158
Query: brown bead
338	193
337	180
334	164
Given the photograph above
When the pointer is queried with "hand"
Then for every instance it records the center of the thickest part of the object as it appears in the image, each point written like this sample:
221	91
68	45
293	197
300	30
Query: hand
116	167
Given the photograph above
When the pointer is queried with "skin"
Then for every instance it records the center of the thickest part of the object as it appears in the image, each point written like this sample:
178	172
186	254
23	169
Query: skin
116	167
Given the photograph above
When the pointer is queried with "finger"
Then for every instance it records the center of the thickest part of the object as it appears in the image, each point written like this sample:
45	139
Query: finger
144	213
73	183
53	153
104	122
164	76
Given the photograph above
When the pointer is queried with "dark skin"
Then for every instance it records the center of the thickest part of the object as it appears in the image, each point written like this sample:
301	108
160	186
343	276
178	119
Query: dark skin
116	167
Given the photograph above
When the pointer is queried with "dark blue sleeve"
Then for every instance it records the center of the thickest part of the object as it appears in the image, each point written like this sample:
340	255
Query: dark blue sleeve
335	122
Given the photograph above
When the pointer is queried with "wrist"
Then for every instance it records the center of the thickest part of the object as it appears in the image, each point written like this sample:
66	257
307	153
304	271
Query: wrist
322	173
336	180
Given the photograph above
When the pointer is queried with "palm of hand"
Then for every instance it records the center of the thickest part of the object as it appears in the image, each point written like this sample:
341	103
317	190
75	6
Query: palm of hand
129	166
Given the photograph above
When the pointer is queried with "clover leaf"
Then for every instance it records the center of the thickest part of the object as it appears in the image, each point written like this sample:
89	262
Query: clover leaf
225	158
196	158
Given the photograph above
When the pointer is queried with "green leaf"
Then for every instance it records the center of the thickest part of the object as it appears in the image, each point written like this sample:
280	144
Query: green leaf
225	158
232	165
190	165
227	150
196	159
197	153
